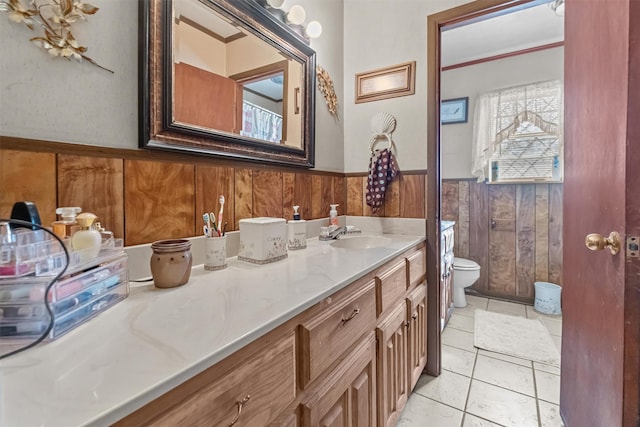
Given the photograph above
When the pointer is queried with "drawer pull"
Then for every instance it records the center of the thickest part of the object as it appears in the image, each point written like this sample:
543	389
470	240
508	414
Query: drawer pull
353	314
240	404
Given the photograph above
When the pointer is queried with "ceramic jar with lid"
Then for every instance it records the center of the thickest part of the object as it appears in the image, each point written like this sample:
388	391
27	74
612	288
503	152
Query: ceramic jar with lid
171	262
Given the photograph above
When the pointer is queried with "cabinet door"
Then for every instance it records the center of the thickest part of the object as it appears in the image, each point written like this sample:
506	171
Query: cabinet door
417	333
347	395
392	365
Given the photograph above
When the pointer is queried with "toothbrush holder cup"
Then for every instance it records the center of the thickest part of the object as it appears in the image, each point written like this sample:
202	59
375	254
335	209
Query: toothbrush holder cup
216	253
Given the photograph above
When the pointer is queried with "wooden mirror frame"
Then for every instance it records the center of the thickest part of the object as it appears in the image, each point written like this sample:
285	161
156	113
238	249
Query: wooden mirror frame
157	130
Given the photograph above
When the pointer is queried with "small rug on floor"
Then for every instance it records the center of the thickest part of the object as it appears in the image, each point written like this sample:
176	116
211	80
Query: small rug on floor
515	336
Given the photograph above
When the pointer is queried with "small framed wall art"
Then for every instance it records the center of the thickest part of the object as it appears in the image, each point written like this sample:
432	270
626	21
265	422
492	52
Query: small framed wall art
454	111
388	82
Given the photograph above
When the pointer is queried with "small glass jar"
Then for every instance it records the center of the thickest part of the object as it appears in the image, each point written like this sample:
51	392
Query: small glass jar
171	262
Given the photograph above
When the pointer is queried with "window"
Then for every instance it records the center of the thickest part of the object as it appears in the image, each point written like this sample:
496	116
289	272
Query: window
518	134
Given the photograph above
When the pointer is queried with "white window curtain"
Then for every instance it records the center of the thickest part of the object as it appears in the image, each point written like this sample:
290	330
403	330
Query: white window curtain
499	114
260	123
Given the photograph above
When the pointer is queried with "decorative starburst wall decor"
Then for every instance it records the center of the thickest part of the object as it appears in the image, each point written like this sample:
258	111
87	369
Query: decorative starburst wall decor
55	17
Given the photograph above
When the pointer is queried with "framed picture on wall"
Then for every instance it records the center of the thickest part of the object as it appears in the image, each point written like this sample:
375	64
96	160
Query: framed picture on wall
454	110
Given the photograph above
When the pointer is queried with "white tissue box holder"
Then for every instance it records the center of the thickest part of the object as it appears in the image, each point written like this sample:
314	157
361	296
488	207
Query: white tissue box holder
263	240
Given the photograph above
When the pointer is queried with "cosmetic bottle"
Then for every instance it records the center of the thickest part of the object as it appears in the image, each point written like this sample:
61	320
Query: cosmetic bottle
86	241
297	231
67	225
333	215
106	235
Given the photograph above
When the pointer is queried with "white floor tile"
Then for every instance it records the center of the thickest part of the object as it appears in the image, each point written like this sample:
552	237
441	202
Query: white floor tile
468	311
531	313
502	406
421	412
546	368
548	386
550	415
504	374
479	302
473	421
464	323
448	388
458	361
553	325
558	342
506	358
458	339
507	308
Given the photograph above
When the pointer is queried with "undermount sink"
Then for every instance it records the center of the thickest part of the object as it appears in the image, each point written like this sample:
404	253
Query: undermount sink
361	242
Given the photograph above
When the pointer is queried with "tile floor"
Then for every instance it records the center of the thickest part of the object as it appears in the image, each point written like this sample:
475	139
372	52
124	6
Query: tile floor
479	388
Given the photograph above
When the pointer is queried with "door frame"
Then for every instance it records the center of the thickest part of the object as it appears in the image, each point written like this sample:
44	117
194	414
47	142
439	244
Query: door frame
465	12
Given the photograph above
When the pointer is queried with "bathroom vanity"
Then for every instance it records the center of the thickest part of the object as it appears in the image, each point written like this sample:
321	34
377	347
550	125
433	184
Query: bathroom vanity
329	336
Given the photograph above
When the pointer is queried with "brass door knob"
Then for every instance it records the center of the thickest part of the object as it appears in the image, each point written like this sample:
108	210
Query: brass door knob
597	242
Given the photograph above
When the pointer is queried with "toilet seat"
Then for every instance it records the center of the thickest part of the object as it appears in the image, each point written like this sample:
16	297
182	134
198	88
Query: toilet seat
465	264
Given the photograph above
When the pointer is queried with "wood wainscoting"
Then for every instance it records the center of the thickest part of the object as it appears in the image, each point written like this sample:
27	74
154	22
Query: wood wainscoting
514	231
144	195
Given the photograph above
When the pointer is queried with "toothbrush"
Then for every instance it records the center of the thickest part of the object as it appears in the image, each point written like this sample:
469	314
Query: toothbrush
220	215
207	224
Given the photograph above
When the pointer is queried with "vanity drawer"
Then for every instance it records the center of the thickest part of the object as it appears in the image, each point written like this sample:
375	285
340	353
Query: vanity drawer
266	382
324	338
416	267
390	286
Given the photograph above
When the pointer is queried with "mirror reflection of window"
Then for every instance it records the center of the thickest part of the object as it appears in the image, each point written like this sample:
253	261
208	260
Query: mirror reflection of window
262	108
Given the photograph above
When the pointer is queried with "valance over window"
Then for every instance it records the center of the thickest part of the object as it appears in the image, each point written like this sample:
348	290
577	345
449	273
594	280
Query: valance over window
518	133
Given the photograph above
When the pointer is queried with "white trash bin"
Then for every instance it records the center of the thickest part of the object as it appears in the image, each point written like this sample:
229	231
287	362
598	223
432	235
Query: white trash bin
547	300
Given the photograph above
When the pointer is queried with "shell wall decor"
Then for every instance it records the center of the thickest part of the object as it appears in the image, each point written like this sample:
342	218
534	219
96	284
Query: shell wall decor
55	17
325	85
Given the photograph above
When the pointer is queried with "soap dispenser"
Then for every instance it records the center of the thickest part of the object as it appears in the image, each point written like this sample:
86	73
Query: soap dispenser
297	231
333	215
86	241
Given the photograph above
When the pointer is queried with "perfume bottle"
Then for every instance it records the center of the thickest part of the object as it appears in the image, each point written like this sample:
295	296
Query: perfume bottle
86	241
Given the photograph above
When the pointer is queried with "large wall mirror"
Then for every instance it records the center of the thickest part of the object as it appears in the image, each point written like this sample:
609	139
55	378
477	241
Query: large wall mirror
225	78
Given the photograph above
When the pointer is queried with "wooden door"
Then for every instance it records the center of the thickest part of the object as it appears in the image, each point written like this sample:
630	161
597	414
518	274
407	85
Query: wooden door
601	293
392	366
417	334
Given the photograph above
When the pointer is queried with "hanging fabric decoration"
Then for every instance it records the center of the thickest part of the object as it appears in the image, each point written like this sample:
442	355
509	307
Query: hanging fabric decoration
382	165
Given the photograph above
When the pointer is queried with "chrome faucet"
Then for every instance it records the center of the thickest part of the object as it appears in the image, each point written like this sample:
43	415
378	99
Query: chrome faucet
334	232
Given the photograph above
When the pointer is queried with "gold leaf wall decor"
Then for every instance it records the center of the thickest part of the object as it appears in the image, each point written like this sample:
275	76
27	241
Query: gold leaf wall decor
55	17
325	85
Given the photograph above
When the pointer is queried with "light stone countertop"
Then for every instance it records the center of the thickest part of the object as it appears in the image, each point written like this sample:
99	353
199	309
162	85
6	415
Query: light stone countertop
156	339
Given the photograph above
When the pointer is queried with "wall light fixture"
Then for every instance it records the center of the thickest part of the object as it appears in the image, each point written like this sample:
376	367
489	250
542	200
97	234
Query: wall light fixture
294	16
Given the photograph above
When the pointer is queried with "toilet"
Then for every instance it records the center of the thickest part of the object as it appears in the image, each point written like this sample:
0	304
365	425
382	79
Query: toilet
465	274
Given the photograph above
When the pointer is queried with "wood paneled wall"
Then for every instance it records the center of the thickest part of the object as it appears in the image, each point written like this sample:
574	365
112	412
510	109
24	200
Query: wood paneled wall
144	196
514	231
405	197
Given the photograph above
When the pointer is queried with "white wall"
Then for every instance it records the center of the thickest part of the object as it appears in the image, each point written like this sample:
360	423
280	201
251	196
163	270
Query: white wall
48	98
380	33
476	79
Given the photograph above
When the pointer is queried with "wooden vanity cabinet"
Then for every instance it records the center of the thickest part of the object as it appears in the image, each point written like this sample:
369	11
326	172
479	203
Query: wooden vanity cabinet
346	397
417	333
350	360
251	388
393	386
